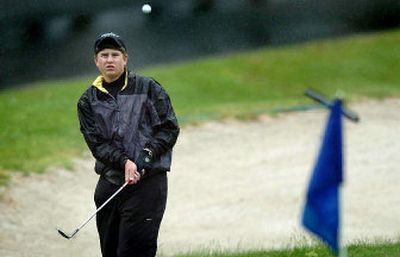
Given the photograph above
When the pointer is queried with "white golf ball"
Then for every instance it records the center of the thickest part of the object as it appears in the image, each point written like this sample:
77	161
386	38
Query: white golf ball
146	8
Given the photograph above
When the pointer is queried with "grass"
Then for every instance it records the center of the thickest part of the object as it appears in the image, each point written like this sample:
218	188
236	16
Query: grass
378	249
39	128
361	66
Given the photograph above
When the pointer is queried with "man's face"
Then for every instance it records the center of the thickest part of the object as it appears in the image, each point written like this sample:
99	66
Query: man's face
111	63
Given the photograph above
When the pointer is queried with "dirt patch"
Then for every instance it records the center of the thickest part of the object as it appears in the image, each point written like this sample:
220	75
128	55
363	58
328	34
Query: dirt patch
234	185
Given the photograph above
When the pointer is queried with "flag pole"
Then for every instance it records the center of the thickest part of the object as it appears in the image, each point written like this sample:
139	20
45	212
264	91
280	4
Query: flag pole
342	247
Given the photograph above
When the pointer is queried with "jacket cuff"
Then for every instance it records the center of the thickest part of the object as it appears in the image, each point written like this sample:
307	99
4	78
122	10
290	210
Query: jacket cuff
123	160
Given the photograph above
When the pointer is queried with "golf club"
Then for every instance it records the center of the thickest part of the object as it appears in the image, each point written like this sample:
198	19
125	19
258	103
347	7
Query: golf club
328	103
69	236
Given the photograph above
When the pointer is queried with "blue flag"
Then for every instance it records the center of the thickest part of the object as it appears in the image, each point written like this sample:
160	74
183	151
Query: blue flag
321	211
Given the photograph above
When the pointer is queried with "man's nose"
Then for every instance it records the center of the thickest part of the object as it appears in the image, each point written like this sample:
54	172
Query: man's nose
109	58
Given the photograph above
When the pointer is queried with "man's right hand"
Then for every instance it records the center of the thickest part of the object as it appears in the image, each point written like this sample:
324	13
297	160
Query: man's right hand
132	176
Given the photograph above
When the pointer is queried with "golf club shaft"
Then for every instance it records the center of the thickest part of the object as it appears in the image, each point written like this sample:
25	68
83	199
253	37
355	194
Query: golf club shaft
101	207
62	233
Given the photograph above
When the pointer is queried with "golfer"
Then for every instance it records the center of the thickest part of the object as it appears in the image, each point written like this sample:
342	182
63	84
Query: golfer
130	127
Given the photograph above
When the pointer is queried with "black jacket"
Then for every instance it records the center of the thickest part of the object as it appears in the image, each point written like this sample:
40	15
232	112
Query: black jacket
116	129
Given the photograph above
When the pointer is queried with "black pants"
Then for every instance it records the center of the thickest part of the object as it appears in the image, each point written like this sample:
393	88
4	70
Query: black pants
128	225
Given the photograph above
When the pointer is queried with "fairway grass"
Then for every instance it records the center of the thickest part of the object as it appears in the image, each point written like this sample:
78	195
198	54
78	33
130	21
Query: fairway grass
378	249
39	126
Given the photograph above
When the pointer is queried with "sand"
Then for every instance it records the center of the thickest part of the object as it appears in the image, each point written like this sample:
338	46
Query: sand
234	185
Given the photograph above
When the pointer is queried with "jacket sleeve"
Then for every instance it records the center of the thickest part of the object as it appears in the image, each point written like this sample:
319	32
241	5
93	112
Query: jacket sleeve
102	149
167	129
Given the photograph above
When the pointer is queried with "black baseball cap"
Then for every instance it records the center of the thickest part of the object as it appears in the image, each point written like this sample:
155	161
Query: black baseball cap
109	40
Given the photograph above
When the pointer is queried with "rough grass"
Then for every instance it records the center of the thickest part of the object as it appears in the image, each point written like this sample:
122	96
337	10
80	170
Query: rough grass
361	249
39	128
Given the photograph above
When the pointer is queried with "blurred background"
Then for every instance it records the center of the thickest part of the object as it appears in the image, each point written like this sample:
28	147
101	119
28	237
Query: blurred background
46	39
261	55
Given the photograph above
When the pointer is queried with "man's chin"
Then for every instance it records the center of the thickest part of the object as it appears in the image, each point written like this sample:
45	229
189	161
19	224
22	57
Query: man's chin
111	75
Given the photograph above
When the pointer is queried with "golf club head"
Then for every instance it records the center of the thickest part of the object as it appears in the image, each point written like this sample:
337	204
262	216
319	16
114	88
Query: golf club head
63	234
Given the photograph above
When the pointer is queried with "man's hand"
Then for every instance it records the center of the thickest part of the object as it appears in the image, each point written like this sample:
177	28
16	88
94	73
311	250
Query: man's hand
132	176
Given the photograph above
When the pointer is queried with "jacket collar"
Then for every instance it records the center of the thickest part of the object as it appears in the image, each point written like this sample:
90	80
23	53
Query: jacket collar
98	82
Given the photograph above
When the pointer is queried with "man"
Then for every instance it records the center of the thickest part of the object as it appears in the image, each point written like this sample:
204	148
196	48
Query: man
130	127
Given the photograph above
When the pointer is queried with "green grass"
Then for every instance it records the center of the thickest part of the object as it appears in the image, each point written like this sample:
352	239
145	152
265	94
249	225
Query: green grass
39	128
361	66
378	249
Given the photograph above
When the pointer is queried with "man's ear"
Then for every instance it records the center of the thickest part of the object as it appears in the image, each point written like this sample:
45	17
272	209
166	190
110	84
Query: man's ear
95	60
